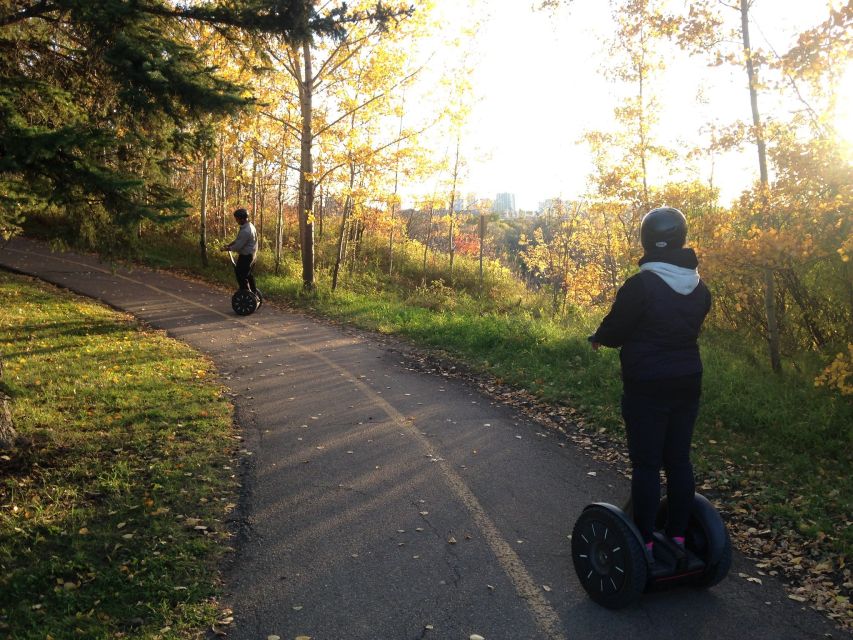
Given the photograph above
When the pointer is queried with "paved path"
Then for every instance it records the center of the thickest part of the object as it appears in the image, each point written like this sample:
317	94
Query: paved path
363	470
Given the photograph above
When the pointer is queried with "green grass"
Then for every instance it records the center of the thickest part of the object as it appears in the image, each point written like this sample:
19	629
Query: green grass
126	448
772	445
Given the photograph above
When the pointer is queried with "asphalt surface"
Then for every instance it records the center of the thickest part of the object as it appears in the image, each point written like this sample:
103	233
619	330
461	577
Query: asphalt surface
383	503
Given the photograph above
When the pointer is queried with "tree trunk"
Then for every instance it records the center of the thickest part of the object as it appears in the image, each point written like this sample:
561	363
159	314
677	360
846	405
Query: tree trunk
450	244
429	236
642	127
8	436
306	167
261	208
394	204
482	234
340	255
356	229
769	279
279	223
255	192
202	237
318	207
222	193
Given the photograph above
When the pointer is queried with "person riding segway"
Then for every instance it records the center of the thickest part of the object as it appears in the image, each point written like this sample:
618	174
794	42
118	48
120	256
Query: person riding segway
247	298
655	321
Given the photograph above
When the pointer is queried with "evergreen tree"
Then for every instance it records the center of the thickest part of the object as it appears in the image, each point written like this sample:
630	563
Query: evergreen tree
100	102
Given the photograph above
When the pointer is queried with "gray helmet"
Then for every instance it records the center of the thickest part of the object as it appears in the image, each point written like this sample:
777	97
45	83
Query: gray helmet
663	229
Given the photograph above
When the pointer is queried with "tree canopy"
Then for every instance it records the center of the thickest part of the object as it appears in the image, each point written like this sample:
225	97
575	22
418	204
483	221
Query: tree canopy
99	99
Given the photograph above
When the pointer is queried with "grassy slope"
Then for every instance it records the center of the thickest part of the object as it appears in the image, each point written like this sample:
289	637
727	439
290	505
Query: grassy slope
778	447
126	452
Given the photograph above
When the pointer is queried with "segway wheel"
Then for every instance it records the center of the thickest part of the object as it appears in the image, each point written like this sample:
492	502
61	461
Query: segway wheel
244	302
707	537
608	558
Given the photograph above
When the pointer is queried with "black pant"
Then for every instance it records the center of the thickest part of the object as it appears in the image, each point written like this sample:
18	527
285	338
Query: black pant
243	273
659	417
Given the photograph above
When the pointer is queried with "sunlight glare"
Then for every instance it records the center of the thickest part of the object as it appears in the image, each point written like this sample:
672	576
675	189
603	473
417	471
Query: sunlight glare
844	111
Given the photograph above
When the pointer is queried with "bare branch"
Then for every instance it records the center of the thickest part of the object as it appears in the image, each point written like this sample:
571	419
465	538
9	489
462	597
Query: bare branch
357	44
36	10
295	130
367	102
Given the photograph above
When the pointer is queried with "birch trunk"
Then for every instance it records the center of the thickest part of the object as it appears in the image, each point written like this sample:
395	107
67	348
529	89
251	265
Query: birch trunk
306	168
202	236
769	277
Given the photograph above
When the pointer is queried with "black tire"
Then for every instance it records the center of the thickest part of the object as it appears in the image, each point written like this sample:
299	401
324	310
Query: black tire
707	537
608	558
244	302
715	573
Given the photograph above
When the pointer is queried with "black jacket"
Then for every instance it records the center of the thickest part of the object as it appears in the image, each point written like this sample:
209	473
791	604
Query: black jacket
655	326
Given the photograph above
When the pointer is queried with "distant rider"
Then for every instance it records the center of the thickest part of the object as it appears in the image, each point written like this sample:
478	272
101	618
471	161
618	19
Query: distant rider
246	246
656	319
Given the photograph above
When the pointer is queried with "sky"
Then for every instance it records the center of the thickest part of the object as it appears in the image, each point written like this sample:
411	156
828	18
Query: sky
538	87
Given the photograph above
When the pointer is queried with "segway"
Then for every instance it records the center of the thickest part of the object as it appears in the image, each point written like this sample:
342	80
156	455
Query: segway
610	557
244	302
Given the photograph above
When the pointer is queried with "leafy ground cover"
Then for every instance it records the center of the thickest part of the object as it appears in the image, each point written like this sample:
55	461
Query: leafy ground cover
111	505
774	451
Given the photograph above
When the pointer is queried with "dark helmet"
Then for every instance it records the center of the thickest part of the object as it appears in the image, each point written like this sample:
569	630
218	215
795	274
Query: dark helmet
241	214
662	229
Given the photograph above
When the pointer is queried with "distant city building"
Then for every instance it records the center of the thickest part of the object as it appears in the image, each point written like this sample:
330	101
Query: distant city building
548	205
464	202
505	204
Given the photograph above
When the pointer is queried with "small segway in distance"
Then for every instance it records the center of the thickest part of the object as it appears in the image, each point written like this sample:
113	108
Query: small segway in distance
610	558
244	302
